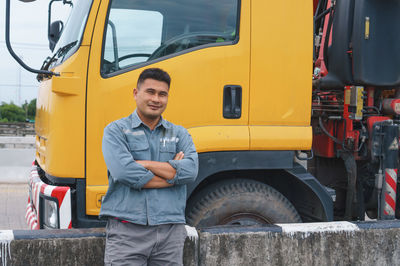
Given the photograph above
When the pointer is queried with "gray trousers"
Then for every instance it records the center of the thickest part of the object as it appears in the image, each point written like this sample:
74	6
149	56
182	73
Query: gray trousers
133	244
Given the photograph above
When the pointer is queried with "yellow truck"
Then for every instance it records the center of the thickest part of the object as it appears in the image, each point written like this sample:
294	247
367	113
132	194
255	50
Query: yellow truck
241	84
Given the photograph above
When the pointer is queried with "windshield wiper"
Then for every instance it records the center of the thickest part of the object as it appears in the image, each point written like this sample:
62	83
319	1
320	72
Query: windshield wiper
63	50
49	60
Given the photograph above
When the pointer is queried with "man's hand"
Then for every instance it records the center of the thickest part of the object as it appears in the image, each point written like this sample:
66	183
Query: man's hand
179	156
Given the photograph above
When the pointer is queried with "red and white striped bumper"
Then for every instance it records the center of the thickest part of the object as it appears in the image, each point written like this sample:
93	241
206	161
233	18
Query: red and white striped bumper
38	188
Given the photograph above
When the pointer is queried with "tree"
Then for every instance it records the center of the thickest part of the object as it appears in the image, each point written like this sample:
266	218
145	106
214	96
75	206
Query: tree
31	110
11	113
25	108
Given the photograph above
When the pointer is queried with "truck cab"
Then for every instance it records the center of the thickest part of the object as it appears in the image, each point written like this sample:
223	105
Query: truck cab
240	84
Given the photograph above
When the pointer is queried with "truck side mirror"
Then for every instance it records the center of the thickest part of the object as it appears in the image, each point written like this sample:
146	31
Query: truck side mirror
55	30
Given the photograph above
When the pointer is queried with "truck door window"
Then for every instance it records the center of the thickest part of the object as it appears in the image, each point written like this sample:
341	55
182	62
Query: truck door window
139	32
126	44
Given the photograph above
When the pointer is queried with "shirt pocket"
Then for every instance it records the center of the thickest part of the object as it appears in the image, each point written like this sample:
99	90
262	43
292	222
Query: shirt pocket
167	151
139	148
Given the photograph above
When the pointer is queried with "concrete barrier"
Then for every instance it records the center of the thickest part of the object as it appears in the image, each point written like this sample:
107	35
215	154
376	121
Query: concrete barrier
68	247
58	247
15	142
336	243
17	129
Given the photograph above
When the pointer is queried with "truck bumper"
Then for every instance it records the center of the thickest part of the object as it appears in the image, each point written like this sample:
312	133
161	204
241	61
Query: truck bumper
39	194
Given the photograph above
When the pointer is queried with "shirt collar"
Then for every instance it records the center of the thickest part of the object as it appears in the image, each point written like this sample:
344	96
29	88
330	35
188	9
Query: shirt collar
136	121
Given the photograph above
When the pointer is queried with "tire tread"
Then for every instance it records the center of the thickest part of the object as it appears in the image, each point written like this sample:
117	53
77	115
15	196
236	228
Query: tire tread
226	188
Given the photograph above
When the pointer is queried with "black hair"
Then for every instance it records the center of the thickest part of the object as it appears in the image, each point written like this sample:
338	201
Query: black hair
154	73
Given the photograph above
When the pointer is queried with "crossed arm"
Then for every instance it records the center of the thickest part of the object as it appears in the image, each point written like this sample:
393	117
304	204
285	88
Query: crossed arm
136	174
163	171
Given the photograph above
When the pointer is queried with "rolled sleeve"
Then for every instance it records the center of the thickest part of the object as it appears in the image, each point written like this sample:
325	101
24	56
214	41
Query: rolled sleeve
176	166
120	163
143	180
187	168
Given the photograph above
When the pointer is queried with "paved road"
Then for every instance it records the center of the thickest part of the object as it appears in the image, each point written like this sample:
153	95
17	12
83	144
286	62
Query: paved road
15	165
13	200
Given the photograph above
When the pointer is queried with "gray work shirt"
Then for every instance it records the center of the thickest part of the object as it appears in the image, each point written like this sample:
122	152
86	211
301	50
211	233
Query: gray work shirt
129	139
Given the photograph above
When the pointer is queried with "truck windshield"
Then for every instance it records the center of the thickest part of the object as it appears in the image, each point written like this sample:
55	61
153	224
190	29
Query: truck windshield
138	32
73	30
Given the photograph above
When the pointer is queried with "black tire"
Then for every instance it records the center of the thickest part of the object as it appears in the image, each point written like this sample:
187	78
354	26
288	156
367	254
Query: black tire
239	202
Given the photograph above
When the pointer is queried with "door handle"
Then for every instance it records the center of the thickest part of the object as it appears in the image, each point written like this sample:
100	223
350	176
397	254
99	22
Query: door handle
232	105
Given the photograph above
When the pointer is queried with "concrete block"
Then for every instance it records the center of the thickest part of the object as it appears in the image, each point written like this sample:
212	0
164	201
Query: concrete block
54	247
60	251
335	243
190	250
340	243
68	247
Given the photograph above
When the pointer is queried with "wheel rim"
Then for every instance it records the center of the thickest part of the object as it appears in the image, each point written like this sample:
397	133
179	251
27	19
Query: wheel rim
245	219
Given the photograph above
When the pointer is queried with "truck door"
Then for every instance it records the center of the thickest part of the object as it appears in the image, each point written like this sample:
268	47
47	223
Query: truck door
281	75
203	44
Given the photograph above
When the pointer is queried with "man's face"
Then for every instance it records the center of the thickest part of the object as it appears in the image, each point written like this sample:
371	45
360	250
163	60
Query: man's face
151	98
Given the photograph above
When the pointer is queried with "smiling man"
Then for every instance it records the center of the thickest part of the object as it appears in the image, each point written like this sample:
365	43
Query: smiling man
149	162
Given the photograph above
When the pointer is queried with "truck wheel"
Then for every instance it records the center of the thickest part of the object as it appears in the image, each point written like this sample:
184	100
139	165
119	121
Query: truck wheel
239	202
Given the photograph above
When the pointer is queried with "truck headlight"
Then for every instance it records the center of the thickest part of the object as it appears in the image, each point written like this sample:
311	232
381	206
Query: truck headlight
49	213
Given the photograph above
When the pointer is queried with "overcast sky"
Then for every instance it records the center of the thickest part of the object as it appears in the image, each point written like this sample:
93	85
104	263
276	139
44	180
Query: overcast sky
29	39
